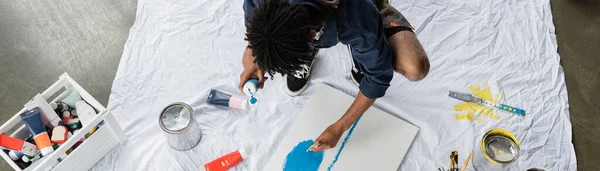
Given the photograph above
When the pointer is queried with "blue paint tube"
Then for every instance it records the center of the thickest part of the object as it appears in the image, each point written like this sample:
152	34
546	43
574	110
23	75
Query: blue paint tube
33	120
222	99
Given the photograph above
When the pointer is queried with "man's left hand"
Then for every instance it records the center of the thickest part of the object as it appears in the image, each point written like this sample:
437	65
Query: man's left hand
329	138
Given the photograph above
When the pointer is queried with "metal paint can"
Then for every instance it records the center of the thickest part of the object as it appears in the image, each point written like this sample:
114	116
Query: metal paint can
180	127
498	149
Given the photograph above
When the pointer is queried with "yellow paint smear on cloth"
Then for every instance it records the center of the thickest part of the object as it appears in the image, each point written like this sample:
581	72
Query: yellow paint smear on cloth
468	110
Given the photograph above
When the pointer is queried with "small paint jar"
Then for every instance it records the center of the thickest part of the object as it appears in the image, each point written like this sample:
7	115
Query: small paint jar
15	155
250	87
60	107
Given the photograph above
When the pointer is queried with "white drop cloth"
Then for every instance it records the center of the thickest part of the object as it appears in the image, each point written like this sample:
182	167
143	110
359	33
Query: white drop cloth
178	50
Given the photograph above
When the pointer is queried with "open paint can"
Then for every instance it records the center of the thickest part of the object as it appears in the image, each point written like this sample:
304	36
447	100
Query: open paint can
180	127
499	148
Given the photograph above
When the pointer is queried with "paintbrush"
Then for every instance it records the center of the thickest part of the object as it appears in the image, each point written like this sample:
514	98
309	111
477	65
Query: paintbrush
313	146
454	161
467	161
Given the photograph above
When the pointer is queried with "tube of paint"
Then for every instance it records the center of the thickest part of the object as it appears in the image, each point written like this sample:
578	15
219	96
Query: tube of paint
250	87
33	120
85	112
15	155
18	145
219	98
49	117
227	161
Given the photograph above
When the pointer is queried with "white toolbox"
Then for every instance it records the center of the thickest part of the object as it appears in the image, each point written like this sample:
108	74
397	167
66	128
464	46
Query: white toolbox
88	153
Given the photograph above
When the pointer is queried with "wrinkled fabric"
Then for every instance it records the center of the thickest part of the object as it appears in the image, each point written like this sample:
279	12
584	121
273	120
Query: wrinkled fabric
178	50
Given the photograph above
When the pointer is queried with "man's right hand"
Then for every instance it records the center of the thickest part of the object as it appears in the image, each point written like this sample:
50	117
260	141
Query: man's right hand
251	70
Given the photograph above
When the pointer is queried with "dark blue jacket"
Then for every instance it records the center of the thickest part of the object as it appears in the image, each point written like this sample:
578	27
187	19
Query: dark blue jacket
356	23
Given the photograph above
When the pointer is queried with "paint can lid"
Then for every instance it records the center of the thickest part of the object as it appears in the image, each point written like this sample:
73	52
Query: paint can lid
66	114
243	153
25	159
47	151
54	106
253	101
501	149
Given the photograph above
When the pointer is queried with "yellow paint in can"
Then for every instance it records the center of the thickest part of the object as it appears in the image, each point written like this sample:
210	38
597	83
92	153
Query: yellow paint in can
499	133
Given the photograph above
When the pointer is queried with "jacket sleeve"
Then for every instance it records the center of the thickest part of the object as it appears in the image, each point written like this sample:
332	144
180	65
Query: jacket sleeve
360	26
248	6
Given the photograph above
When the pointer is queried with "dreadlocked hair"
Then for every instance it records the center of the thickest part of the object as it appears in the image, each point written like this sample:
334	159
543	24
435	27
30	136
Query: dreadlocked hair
279	34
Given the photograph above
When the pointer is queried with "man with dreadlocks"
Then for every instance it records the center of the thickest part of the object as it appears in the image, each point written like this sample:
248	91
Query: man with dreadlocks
284	35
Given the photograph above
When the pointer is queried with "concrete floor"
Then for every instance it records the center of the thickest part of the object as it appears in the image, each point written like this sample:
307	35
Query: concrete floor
578	31
39	40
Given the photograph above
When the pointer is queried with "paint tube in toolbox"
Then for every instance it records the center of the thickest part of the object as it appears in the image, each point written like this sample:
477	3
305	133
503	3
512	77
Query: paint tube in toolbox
37	129
85	112
18	145
48	116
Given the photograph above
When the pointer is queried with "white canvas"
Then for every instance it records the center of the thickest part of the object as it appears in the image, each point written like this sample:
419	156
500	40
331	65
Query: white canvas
378	142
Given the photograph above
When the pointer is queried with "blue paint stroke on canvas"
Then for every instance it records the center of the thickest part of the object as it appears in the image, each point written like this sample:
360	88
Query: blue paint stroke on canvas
300	160
335	159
